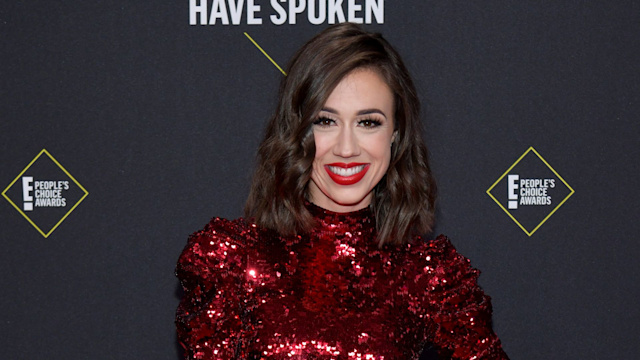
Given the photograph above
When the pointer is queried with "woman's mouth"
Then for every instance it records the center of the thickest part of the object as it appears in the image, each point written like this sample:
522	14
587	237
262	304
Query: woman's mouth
346	174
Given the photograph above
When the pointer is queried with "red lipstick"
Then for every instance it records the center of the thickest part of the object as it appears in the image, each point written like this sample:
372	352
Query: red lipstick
346	179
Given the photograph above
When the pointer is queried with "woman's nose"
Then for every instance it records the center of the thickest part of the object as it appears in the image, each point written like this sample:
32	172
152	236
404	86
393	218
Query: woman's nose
346	143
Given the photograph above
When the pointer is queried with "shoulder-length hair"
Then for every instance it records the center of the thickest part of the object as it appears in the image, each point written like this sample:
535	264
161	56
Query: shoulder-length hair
403	201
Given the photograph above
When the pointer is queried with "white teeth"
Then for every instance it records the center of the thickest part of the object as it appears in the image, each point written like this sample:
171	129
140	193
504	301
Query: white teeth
346	172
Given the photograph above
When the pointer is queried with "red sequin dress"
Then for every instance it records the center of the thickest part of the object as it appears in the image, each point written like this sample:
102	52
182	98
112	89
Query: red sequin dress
331	294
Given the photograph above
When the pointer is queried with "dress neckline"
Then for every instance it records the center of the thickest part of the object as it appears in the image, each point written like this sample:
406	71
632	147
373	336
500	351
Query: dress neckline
328	220
317	211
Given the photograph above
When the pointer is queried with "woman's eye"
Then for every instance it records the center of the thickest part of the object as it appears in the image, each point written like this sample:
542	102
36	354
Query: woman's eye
369	123
323	122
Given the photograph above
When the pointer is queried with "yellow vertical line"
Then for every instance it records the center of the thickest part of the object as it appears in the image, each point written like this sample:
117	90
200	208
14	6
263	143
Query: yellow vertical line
265	53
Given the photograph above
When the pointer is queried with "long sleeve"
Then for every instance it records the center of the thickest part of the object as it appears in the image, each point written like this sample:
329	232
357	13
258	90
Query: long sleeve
211	269
456	309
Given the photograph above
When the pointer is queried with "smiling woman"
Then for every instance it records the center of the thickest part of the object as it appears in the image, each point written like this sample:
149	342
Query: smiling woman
329	263
335	61
353	136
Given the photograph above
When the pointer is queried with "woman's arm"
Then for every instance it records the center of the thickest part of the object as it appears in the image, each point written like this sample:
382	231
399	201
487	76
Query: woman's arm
455	307
211	270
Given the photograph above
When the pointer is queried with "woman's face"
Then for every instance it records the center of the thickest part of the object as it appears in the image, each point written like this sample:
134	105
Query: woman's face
353	134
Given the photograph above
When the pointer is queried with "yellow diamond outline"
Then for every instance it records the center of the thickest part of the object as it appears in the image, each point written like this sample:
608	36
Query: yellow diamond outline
44	151
529	233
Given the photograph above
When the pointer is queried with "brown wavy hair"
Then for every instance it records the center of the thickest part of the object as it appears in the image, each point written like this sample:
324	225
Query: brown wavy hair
403	201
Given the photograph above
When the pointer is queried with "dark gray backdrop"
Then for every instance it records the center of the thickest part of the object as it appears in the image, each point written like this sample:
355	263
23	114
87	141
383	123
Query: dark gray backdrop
159	121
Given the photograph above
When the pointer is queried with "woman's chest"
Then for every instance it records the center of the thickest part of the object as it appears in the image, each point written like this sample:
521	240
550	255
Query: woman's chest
322	300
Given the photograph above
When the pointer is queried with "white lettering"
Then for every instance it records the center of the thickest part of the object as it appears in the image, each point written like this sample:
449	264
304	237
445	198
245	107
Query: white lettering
322	12
49	202
48	194
219	11
26	193
512	184
230	12
58	185
252	9
236	11
194	10
535	200
294	10
352	8
375	8
512	187
335	11
533	191
278	20
27	188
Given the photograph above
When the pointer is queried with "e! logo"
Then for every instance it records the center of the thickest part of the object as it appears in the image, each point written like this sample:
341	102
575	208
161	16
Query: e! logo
530	191
48	194
27	188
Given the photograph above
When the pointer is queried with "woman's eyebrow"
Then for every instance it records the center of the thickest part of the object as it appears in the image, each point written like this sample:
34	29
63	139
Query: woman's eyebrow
361	112
329	110
371	111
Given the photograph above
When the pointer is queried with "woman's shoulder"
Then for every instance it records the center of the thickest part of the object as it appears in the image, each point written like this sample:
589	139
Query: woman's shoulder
221	242
439	248
439	261
236	231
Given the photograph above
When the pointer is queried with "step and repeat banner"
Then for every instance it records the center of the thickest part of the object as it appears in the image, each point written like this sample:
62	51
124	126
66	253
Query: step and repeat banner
127	125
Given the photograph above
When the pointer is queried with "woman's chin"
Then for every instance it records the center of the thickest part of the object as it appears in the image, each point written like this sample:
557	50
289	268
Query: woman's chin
344	204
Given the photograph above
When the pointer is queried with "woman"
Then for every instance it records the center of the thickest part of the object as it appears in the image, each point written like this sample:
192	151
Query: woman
330	264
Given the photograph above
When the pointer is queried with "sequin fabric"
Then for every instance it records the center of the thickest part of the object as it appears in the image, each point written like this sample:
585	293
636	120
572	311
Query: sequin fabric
329	294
